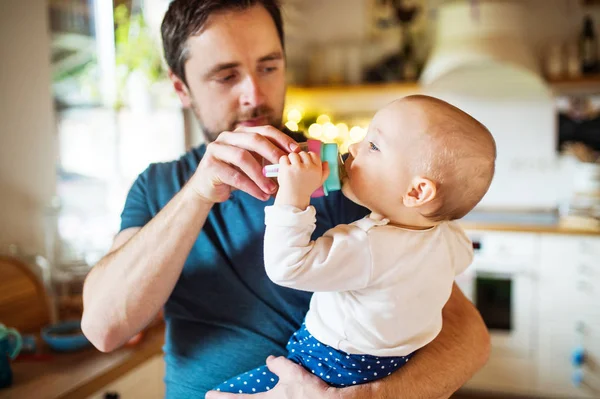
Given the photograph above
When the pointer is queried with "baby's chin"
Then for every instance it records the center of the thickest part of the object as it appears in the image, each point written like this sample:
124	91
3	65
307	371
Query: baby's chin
348	193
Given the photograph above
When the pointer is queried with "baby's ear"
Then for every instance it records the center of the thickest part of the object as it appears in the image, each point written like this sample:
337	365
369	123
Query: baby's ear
420	192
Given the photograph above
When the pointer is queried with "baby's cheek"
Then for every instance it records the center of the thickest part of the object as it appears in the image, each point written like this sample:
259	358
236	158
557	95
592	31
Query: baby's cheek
372	186
358	186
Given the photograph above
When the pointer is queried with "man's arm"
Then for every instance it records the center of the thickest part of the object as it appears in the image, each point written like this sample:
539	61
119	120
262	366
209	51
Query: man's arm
435	372
128	287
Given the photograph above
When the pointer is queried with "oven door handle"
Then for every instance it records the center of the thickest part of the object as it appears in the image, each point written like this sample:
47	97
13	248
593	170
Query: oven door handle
504	275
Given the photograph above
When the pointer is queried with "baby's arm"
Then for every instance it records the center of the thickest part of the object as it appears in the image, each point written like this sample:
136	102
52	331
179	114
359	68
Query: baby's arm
338	261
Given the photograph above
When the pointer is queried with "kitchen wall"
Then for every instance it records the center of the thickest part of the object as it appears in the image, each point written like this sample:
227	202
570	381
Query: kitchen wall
27	131
519	111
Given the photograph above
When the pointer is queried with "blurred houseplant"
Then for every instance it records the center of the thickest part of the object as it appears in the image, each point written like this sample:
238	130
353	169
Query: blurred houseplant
140	68
402	65
74	69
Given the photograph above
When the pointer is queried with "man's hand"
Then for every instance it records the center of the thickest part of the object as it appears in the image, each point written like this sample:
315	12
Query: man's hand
297	383
231	162
299	176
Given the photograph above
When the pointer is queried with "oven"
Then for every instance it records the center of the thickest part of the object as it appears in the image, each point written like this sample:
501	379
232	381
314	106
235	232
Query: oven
501	283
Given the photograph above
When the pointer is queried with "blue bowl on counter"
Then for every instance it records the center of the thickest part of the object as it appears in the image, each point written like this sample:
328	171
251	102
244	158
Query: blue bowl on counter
65	336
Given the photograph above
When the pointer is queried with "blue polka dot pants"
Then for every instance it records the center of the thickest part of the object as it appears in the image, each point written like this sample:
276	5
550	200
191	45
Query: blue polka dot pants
337	368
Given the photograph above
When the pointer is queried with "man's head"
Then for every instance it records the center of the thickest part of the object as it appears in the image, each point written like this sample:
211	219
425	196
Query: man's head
226	61
426	155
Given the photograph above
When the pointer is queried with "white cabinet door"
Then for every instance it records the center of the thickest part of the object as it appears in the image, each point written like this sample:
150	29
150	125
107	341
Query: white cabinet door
569	315
557	344
145	381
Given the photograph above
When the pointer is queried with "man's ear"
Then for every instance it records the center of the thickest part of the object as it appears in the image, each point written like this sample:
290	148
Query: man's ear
181	89
421	191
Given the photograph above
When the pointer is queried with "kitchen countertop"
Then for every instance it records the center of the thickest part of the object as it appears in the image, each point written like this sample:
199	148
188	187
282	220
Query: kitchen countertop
527	228
82	373
547	222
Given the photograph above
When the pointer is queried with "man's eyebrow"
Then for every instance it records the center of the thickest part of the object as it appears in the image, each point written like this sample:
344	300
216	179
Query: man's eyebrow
221	67
276	55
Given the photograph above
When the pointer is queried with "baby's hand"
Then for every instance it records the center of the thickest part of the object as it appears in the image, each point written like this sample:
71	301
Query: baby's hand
300	174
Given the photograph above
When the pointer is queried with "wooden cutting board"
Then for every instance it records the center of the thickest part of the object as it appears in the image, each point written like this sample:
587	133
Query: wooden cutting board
23	301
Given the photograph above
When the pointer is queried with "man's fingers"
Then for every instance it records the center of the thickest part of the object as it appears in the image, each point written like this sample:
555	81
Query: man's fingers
234	178
246	166
225	395
254	142
276	136
285	369
272	394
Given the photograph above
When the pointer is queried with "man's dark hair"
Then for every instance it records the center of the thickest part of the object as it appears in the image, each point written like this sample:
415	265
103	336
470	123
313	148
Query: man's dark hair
185	18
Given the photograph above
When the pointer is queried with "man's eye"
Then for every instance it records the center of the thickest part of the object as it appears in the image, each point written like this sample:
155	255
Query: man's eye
373	147
269	69
226	79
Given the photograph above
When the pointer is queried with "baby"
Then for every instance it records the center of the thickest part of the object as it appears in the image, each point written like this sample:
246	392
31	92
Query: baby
380	283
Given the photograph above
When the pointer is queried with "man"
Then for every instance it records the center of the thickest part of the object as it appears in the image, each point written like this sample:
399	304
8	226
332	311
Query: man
192	230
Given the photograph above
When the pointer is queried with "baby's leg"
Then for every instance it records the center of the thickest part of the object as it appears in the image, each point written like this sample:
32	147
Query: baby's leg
254	381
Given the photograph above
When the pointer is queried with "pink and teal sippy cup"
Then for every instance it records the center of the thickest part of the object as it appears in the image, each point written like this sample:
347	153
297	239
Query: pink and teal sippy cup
329	153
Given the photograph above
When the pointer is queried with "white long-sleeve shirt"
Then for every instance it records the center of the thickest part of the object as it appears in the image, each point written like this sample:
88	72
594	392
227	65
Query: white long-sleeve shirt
379	289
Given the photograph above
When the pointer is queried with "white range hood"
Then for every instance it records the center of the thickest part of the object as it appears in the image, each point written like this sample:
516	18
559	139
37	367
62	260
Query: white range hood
482	63
479	34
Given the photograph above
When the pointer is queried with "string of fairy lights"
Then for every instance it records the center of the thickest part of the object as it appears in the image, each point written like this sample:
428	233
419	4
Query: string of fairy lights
324	129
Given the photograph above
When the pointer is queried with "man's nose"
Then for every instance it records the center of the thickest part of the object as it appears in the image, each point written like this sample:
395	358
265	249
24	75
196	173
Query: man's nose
252	94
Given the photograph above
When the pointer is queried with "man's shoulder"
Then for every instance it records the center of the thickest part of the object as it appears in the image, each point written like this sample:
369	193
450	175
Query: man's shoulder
172	175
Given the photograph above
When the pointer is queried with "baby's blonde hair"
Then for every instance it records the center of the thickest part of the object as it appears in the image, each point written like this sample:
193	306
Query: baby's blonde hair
458	154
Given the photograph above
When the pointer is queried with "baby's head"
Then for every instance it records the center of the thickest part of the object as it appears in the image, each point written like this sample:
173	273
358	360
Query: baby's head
421	157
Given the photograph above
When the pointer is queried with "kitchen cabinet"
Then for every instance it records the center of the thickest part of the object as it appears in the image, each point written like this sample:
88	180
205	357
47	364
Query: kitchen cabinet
145	381
536	289
569	317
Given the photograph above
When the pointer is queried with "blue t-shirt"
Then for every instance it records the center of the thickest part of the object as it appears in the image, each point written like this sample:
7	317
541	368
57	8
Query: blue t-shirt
224	316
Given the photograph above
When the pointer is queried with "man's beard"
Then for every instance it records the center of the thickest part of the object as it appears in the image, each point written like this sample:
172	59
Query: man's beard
262	111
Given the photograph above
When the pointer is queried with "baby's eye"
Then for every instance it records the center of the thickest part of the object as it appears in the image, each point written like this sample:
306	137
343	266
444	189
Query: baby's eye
372	146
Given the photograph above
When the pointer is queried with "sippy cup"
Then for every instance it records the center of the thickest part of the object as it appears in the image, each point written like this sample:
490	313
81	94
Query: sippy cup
329	153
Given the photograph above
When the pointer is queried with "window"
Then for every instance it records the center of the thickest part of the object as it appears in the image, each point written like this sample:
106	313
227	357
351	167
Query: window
110	123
